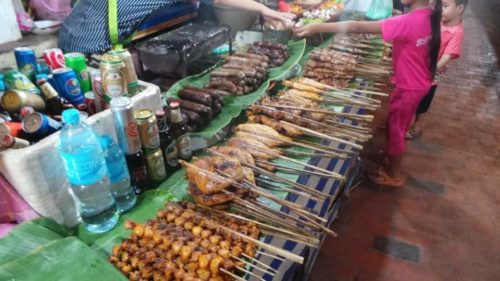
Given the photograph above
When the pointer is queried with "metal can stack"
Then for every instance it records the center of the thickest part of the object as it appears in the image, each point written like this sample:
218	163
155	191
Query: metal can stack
26	61
130	73
76	61
114	81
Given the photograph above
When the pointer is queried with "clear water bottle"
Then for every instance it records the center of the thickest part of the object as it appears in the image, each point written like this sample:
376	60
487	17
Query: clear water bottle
87	173
119	177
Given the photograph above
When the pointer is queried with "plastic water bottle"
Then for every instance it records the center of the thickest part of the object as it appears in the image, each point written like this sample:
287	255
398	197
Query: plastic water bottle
87	173
119	177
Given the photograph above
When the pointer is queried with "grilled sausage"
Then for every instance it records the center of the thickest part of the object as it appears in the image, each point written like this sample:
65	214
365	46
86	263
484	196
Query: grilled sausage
196	96
204	111
223	85
194	118
228	73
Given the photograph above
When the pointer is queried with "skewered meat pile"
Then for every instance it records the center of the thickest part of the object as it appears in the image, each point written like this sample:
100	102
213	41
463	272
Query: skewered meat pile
277	53
182	244
331	67
241	74
199	106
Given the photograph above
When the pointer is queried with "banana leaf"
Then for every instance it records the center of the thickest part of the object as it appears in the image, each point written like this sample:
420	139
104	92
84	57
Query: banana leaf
61	260
28	237
296	49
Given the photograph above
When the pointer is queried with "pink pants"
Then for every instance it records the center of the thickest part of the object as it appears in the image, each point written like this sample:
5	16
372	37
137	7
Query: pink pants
402	107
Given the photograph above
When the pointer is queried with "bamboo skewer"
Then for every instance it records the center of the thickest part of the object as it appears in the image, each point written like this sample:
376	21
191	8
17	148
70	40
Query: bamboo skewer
289	190
249	263
314	145
291	183
259	262
284	253
300	144
259	252
236	277
332	174
310	240
367	92
317	134
294	170
368	118
306	189
249	273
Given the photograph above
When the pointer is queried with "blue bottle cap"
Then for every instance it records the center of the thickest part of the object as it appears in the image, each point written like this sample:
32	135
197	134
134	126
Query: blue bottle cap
106	141
71	116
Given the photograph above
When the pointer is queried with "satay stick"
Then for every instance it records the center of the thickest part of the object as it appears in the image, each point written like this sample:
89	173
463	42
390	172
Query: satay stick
317	134
250	273
236	277
367	118
298	186
260	252
312	241
293	170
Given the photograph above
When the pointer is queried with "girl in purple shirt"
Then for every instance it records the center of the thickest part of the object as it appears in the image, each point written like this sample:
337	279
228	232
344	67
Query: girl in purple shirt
416	39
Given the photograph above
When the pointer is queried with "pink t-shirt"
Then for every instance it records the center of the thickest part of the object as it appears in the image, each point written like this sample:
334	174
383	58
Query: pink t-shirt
410	35
451	40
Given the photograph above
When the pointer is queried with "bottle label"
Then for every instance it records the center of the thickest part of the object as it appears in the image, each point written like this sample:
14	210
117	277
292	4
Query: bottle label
83	171
184	146
172	155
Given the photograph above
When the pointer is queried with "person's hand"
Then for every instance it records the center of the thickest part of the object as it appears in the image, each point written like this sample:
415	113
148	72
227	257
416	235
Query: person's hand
285	18
305	31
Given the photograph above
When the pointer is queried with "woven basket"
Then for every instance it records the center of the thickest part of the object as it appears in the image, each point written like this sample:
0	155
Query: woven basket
37	172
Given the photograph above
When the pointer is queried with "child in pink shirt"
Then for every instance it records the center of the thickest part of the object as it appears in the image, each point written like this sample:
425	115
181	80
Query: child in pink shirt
416	38
452	35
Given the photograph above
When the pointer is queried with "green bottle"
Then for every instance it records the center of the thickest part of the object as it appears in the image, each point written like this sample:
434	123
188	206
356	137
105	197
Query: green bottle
76	61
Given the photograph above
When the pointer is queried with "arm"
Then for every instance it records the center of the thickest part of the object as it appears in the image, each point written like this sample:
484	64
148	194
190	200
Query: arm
443	61
251	5
344	27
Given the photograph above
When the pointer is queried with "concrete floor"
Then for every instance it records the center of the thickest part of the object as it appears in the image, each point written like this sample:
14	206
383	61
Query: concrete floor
444	224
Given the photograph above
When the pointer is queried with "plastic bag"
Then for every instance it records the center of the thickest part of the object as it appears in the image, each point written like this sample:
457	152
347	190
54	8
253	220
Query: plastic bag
51	9
379	9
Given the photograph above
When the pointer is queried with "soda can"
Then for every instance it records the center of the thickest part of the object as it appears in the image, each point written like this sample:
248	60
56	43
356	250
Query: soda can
130	73
100	103
15	80
90	102
114	81
8	141
54	58
67	85
126	125
40	125
26	61
76	61
14	100
25	111
11	128
148	130
155	166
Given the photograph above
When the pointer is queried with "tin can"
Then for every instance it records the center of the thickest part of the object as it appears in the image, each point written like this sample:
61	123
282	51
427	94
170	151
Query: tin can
15	80
148	130
11	128
66	83
76	61
130	73
26	61
96	80
126	125
14	100
25	111
40	125
8	141
54	58
90	102
156	166
114	81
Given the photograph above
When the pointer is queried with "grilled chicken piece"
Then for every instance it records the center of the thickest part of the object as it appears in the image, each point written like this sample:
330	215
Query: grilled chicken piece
204	179
254	147
266	166
282	128
276	140
208	199
241	155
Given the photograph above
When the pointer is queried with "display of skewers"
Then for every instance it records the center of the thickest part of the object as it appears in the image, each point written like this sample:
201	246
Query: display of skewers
184	242
277	53
241	73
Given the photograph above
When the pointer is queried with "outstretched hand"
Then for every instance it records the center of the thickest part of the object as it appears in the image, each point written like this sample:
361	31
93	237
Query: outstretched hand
285	18
305	31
